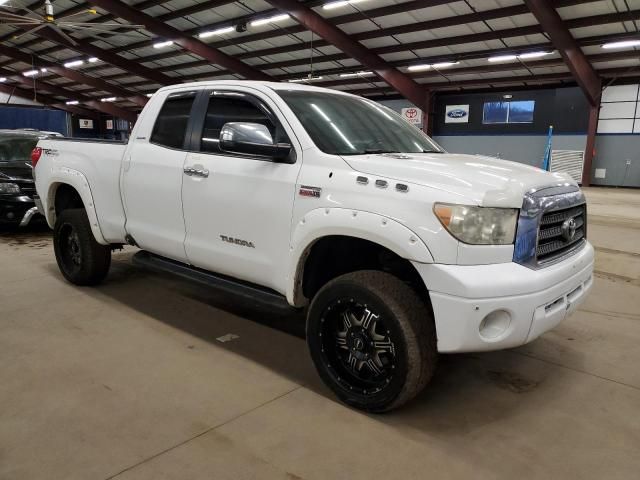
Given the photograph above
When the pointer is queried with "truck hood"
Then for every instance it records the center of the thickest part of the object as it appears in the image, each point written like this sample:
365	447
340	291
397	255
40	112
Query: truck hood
476	179
16	170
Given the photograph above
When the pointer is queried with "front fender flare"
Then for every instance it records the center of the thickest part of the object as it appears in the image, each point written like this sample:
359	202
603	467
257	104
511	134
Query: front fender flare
77	180
323	222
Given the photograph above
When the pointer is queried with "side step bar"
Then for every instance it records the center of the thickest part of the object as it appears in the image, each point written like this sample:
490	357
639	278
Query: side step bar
222	283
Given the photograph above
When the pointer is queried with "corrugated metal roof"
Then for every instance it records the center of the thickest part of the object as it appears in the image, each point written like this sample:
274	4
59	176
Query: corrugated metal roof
402	32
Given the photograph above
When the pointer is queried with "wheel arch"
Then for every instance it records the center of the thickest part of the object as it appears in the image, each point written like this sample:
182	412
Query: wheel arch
70	189
361	240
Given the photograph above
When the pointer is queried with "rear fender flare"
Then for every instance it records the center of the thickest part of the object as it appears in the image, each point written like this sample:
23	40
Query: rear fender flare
75	179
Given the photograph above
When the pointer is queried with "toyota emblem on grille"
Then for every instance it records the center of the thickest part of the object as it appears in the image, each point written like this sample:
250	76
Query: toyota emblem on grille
569	228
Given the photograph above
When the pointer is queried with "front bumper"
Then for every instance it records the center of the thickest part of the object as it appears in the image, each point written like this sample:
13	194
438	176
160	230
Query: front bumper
491	307
14	209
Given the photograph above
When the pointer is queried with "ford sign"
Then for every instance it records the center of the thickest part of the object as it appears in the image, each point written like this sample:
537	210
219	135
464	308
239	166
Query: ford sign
459	113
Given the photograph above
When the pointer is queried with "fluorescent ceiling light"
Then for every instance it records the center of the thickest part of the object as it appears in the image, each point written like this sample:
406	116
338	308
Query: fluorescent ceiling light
218	31
264	21
444	64
108	99
502	58
427	66
3	79
533	54
355	74
339	3
93	59
163	44
30	73
73	102
622	44
74	63
305	79
417	68
43	70
149	95
331	5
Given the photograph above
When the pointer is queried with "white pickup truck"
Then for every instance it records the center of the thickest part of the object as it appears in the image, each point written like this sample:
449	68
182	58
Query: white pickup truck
322	200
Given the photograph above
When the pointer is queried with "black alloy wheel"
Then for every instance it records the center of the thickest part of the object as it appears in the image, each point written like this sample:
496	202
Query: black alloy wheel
69	247
372	340
357	346
81	259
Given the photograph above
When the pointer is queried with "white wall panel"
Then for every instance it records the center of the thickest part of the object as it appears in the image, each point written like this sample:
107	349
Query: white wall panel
617	110
616	126
620	93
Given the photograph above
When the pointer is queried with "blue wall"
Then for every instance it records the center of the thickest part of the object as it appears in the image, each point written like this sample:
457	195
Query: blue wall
38	118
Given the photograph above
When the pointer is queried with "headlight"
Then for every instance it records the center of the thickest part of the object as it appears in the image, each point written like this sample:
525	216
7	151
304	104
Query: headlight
478	225
9	188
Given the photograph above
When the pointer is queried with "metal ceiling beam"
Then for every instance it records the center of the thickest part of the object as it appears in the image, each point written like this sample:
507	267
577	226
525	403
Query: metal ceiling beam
561	37
106	107
73	75
415	93
113	59
191	44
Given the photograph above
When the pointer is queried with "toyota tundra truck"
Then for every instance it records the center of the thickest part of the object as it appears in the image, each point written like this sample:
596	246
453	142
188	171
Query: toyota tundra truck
333	204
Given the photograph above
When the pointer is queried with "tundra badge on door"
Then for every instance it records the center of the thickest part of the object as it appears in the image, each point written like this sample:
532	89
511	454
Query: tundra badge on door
237	241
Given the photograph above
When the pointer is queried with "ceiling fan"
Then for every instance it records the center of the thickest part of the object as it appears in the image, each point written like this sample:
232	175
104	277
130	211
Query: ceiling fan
33	21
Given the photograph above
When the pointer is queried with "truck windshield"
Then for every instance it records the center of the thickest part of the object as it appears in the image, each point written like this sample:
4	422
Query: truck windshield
16	148
346	125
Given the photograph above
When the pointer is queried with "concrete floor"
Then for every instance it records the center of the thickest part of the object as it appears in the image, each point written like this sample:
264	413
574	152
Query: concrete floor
129	381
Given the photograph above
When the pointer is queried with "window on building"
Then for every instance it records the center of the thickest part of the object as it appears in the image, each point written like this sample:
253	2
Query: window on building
171	124
520	111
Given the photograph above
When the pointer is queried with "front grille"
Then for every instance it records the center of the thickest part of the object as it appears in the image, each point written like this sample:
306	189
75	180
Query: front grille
554	233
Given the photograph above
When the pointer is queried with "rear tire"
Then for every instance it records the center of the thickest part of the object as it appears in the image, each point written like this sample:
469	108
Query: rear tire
81	259
372	340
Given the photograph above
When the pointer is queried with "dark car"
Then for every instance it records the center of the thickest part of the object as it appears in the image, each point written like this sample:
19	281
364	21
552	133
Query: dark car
17	187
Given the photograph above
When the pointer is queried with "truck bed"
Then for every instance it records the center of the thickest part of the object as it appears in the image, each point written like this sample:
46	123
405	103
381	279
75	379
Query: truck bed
99	162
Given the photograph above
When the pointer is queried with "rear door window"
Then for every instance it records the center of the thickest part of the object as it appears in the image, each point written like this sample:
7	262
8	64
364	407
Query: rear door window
171	125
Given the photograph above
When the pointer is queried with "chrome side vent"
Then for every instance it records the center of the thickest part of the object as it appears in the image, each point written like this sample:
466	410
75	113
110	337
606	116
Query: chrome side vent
401	187
382	183
362	180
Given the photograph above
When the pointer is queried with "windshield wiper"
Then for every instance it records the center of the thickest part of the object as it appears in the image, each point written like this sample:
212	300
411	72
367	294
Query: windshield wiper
379	150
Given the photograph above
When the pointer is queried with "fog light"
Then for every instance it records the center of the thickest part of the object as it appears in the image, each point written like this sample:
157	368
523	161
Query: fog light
494	324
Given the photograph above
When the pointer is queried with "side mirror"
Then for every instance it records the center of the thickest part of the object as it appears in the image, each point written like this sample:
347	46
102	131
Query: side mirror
252	139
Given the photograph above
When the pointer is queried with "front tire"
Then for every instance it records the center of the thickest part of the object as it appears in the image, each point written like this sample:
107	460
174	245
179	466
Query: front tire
81	259
372	340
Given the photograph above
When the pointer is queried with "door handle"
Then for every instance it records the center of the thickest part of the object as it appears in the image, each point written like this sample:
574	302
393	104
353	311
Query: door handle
198	172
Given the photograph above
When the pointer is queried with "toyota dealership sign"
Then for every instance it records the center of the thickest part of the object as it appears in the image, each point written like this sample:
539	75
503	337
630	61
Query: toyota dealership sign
412	115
